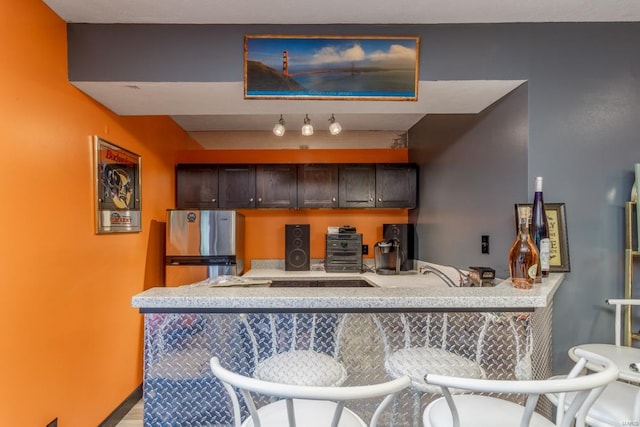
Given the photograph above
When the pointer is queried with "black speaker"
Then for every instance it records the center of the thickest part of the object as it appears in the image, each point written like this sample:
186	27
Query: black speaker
296	246
405	233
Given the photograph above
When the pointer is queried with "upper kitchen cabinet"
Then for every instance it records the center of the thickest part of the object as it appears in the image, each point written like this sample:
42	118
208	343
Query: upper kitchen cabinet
318	186
276	186
287	186
197	186
237	186
396	185
357	185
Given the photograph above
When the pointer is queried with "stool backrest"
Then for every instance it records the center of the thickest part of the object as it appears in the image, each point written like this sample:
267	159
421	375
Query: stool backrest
622	338
619	304
587	388
248	385
274	333
437	330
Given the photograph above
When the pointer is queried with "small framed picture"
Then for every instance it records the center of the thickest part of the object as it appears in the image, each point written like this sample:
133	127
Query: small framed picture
117	183
558	238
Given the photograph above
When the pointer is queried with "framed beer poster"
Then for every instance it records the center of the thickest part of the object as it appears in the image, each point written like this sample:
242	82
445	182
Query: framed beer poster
117	183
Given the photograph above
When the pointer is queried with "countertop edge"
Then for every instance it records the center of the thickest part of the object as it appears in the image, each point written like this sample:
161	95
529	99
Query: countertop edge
502	296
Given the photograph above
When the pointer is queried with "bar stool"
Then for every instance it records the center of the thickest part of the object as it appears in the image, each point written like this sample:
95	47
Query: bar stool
304	406
619	404
296	348
429	352
473	410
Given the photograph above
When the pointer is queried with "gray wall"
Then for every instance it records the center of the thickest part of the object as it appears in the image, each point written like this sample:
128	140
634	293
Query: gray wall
473	168
583	110
583	105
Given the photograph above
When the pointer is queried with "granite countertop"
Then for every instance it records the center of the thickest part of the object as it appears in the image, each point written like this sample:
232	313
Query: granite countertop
407	291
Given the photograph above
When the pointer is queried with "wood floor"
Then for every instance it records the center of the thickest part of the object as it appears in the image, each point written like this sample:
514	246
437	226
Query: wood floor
133	417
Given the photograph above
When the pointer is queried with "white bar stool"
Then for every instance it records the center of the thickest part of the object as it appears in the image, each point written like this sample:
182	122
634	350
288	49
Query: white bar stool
473	410
304	406
423	354
619	404
286	348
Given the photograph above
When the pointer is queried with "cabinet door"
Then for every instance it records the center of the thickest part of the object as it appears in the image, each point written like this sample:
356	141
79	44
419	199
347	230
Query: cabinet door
196	186
237	186
318	186
357	185
396	185
276	186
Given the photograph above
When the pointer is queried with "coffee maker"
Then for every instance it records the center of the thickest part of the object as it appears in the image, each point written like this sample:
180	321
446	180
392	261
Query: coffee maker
405	233
387	256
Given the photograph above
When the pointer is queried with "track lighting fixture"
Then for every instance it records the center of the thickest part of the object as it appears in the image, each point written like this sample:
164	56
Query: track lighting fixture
334	127
278	129
307	129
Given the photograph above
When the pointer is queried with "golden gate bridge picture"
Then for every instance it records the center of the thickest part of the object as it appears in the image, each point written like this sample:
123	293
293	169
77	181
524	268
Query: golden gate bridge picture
330	67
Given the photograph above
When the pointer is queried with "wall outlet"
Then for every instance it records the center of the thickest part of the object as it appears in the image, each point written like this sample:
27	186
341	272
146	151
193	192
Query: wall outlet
53	423
365	249
484	244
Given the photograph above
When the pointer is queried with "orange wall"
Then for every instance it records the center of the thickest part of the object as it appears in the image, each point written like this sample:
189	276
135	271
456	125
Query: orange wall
71	343
265	228
388	155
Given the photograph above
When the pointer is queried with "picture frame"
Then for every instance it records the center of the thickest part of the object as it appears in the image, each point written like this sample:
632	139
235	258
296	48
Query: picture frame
331	67
559	242
117	188
636	168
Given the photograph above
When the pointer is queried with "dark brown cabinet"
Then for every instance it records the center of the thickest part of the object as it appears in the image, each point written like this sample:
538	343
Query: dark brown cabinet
286	186
396	185
197	186
276	186
357	185
237	188
318	186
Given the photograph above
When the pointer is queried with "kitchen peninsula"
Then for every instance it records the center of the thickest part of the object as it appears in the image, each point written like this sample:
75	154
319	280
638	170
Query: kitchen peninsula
505	330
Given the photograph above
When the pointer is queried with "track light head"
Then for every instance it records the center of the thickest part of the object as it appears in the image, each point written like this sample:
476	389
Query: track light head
279	129
307	129
334	127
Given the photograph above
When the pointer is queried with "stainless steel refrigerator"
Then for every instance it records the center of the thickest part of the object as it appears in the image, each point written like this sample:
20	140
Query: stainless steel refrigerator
202	244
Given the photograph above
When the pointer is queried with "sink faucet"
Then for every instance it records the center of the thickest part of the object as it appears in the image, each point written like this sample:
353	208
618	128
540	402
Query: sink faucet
464	279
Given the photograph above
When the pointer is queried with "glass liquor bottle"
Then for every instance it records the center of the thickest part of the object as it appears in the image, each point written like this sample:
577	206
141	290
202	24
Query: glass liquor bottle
523	258
539	231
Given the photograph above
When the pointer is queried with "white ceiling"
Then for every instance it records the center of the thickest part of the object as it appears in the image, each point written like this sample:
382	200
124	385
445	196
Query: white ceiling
343	11
220	106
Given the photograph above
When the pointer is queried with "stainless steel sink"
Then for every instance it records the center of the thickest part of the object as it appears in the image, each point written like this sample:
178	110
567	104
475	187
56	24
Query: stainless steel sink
333	283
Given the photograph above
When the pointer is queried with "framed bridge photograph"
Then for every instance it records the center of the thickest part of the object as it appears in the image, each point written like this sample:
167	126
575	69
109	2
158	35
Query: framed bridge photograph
331	67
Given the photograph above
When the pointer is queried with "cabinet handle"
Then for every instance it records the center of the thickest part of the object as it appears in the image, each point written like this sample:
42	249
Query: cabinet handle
371	199
251	199
379	199
259	199
214	200
333	199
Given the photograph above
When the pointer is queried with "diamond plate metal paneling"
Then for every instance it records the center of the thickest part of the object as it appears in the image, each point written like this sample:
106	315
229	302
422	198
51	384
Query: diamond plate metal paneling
179	389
